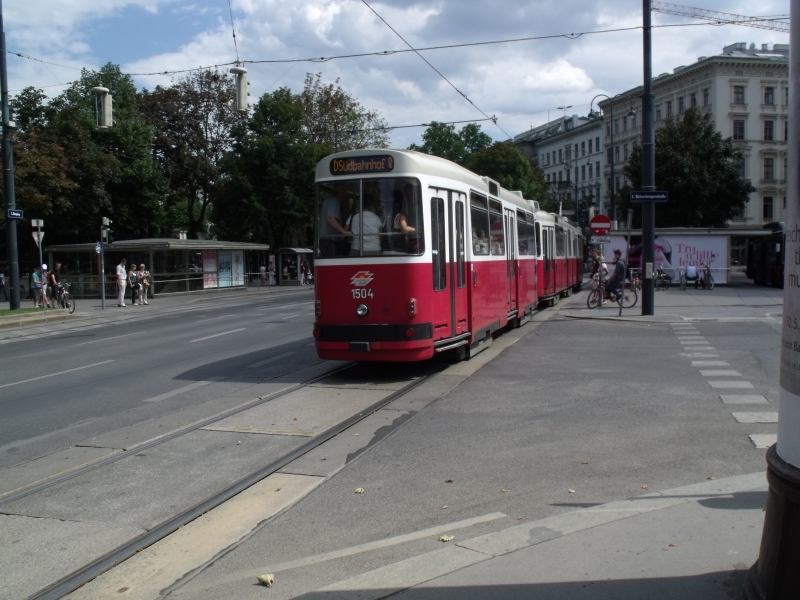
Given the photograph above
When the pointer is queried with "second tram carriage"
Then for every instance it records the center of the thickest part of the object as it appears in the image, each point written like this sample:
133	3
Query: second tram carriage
415	255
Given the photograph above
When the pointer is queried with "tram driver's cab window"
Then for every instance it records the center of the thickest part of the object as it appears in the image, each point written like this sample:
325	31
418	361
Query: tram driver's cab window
370	217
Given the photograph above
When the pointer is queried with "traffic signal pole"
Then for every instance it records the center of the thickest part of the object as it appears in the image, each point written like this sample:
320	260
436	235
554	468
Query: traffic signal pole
9	200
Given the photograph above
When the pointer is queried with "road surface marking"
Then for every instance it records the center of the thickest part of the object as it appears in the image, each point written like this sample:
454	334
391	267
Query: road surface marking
206	320
290	316
110	338
186	388
755	417
730	384
710	363
743	399
270	360
105	362
719	373
216	335
763	440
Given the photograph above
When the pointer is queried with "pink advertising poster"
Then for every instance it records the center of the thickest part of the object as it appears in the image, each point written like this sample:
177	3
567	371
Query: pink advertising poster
210	269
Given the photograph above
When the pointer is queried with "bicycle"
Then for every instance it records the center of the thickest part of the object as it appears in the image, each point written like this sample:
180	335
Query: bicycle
707	281
64	299
682	274
662	280
627	296
636	280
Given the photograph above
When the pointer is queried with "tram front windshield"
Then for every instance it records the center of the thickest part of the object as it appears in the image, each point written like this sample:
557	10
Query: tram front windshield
370	217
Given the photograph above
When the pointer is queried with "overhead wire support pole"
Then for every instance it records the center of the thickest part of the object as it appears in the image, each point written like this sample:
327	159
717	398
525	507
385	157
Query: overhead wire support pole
12	256
648	165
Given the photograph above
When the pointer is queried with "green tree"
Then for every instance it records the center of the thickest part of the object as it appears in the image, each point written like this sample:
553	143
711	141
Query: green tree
332	116
192	122
696	165
442	139
507	165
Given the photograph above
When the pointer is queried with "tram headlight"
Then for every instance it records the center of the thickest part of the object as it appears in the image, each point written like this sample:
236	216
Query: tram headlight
412	307
362	310
317	308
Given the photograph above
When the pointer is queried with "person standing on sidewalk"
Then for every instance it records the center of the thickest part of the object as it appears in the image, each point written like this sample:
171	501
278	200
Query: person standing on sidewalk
144	282
122	279
262	275
133	281
3	285
54	283
36	287
44	278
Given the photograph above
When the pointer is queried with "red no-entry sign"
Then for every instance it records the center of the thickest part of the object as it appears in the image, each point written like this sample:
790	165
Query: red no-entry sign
600	225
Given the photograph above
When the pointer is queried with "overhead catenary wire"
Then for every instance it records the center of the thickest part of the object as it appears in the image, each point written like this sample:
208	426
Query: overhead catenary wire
233	31
427	62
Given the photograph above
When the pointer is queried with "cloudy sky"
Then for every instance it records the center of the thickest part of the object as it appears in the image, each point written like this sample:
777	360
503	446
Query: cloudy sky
521	83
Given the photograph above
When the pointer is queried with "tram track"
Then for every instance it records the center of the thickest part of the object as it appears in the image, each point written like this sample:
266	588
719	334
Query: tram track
110	559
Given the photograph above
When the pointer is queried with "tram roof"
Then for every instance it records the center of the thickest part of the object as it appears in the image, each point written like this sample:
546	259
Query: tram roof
411	161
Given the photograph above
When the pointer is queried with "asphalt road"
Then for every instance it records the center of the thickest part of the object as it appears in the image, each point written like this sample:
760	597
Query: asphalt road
60	390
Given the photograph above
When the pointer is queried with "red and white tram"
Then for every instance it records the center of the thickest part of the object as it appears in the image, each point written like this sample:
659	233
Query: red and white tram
416	255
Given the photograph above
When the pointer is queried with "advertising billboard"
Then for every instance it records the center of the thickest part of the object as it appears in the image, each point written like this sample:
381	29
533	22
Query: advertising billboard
210	269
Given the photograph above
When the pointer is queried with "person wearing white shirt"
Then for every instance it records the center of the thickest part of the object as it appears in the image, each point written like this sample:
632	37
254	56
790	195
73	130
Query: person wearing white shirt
122	280
691	274
372	225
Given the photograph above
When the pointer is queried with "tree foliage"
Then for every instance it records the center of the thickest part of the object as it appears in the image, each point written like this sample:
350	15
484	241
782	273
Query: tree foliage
695	164
506	164
442	139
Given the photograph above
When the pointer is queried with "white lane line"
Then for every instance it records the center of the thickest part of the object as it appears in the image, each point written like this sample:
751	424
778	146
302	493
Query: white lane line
184	389
290	316
216	335
719	373
693	342
710	363
214	318
261	363
730	384
697	354
110	338
763	440
743	399
755	417
105	362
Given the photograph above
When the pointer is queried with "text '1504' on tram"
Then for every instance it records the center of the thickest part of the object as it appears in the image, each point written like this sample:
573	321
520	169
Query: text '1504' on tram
416	255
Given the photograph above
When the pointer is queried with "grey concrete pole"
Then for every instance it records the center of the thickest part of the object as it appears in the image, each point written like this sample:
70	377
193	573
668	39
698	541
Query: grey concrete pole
9	200
648	167
775	575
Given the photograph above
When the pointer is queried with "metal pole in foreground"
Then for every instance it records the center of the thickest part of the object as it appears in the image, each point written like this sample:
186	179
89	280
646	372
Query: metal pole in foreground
102	272
775	576
8	176
648	167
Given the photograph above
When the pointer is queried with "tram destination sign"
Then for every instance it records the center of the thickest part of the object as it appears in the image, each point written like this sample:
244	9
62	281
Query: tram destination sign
654	196
377	163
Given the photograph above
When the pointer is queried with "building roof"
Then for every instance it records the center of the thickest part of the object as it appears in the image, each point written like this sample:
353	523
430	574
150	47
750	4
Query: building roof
159	244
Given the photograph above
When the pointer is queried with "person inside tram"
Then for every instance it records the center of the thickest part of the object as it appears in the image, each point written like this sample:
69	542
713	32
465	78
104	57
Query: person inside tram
332	232
371	224
407	217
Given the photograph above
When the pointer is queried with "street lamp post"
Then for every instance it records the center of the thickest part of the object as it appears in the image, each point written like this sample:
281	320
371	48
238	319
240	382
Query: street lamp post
631	113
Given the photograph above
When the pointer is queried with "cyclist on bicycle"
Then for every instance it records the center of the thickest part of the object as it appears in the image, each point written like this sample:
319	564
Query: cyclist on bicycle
618	277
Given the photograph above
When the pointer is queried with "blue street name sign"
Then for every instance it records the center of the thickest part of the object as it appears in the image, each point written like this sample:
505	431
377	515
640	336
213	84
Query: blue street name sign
654	196
15	214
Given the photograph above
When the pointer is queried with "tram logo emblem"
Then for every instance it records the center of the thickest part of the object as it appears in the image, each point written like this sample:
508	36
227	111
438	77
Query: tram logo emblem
362	278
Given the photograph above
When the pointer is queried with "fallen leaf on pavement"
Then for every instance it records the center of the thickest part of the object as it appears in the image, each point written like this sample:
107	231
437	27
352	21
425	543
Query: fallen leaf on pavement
295	419
355	434
359	490
644	487
448	481
571	491
503	490
519	518
446	538
267	580
672	545
586	462
711	478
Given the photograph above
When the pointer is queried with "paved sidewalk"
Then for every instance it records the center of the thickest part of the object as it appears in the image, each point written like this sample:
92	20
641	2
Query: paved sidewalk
692	542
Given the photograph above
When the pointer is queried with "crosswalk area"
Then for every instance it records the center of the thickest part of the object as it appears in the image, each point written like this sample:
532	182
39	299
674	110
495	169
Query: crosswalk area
735	392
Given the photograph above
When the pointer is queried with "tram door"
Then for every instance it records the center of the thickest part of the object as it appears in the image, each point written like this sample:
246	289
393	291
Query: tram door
548	251
448	241
511	245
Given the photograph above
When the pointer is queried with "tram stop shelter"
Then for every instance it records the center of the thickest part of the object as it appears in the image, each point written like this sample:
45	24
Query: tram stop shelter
175	265
288	264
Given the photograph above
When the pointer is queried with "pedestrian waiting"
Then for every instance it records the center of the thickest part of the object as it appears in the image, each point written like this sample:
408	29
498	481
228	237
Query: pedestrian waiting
122	280
143	276
3	285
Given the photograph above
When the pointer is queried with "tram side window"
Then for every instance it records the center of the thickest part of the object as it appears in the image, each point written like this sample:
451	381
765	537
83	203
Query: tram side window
538	236
479	217
460	246
496	229
561	247
438	249
522	233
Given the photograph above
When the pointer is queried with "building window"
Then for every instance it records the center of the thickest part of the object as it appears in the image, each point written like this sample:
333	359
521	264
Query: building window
576	150
590	171
769	96
616	182
681	105
706	97
616	125
658	112
583	148
767	211
616	154
785	96
608	152
559	175
693	99
559	155
576	175
590	145
669	108
739	164
633	122
597	144
597	168
624	123
769	169
608	128
738	129
738	94
548	177
625	151
608	184
769	131
583	173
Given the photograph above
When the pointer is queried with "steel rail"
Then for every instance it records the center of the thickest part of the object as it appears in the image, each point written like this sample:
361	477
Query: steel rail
81	576
170	436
